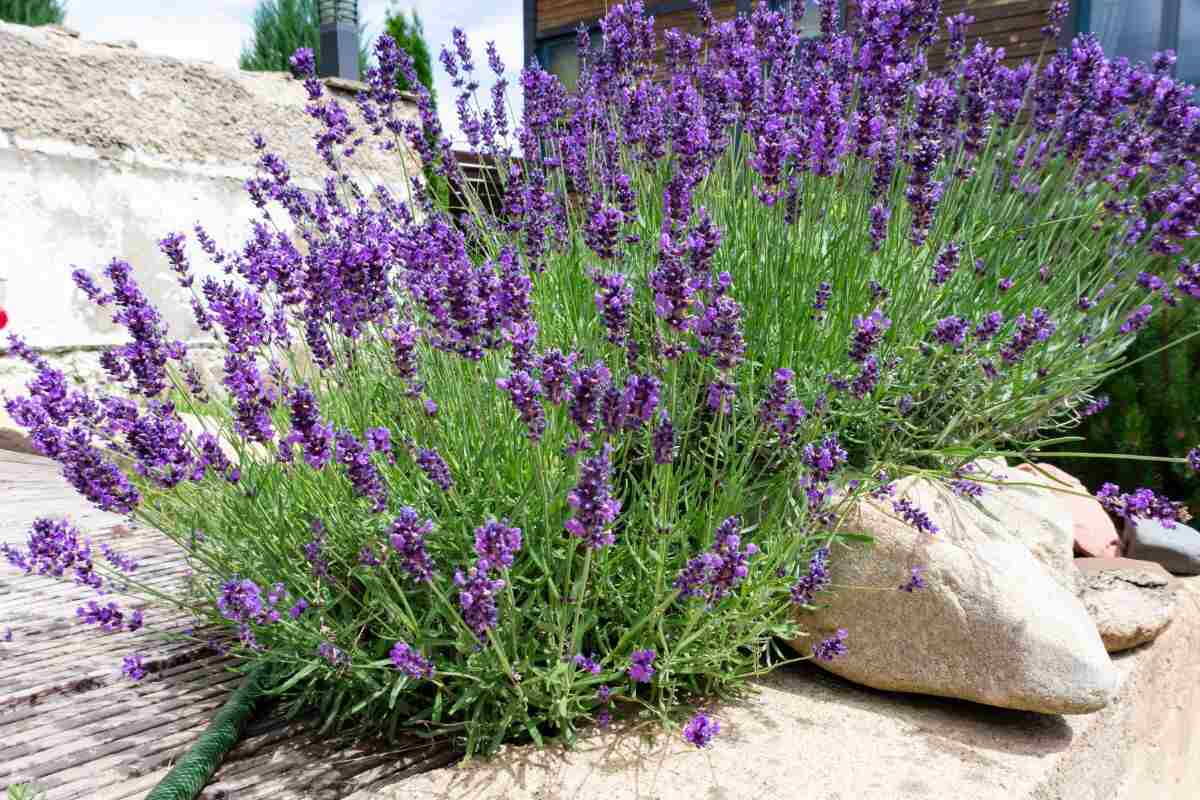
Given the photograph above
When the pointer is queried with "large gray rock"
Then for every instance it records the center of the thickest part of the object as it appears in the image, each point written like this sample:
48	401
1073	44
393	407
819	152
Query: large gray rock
1177	549
1130	601
993	625
1034	514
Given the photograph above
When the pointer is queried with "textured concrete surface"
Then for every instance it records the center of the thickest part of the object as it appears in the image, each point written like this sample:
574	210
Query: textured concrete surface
105	149
807	734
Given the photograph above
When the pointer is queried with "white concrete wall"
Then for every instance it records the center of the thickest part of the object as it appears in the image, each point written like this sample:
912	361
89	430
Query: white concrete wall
104	150
67	208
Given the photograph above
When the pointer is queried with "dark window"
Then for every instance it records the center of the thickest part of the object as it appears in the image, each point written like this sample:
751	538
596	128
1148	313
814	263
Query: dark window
1137	29
560	55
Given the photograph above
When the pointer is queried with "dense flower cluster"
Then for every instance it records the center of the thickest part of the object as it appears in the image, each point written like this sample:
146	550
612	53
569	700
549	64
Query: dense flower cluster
692	286
410	661
716	573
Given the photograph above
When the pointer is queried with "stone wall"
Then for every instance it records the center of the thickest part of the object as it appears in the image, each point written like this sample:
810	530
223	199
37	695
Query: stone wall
104	149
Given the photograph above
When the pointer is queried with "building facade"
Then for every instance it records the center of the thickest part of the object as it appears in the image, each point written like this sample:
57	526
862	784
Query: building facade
1132	28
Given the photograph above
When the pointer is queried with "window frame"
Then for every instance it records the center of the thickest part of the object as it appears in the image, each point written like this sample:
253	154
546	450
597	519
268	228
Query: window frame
1168	35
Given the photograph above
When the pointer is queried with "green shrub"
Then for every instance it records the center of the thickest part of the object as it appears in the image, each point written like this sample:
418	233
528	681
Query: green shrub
491	481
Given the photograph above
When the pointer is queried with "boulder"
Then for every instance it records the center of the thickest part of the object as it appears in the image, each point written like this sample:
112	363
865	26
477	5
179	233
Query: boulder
1130	601
993	625
1093	530
1034	515
1177	549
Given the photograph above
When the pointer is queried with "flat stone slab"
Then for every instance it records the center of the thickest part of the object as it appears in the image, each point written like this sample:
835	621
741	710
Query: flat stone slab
808	734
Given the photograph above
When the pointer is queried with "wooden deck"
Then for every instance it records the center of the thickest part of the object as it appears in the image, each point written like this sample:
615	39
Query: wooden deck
71	723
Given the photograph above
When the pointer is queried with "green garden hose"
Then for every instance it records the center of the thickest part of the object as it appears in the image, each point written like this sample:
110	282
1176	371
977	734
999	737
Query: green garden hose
190	774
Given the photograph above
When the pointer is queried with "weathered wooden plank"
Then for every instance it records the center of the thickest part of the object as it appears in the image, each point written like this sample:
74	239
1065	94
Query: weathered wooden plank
69	721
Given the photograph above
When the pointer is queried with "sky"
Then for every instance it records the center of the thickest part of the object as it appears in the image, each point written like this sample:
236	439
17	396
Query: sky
215	30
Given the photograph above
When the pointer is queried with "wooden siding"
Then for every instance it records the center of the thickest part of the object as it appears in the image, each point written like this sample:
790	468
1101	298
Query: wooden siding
1014	25
554	15
557	16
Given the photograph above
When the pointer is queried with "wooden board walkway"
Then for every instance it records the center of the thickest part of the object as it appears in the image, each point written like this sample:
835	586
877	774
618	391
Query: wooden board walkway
72	724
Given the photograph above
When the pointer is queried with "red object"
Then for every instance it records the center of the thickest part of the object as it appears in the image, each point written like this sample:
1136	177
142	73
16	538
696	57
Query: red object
3	318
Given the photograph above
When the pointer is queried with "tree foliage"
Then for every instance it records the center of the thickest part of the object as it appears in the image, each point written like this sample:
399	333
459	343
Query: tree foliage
409	33
1154	408
33	12
282	26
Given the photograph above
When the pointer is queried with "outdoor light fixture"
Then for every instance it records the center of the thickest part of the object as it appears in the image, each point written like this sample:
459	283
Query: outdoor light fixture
339	39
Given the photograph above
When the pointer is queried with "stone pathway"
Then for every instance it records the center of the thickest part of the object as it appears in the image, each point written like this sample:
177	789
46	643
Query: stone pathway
71	723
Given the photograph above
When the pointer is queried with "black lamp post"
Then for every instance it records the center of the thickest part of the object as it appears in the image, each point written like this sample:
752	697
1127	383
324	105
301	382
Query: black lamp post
339	39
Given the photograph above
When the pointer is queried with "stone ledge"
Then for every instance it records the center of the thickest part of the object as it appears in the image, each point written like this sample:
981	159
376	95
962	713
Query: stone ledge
808	734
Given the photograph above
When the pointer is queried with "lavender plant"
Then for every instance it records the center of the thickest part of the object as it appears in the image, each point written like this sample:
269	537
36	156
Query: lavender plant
497	476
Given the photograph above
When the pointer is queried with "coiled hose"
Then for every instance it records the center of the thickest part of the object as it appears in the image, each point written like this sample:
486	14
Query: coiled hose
192	772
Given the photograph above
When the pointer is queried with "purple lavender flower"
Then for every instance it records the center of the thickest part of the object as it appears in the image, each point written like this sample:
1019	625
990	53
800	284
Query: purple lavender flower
946	263
720	396
612	303
639	401
308	429
298	609
719	329
823	459
496	544
779	410
915	582
556	372
868	377
595	509
588	386
409	661
132	668
816	579
821	300
435	468
1058	12
408	539
122	562
1137	319
54	547
304	63
107	617
1037	327
1143	503
716	573
879	216
1193	459
701	729
951	330
1096	406
525	391
1005	284
914	516
240	600
586	663
664	439
477	599
831	648
966	488
604	693
868	331
603	718
331	653
989	326
8	635
641	669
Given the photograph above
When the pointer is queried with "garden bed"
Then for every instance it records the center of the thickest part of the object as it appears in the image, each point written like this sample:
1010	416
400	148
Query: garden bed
806	733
